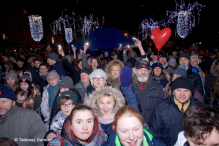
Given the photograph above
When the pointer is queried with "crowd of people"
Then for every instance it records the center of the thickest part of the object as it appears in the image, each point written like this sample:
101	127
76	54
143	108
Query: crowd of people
127	98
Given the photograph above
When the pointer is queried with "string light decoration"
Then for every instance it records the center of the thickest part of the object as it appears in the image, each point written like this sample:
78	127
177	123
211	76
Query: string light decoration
183	23
36	27
68	35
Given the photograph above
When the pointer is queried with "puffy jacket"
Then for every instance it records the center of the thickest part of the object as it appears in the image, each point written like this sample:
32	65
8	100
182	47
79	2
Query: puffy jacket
59	68
195	79
148	97
81	89
166	121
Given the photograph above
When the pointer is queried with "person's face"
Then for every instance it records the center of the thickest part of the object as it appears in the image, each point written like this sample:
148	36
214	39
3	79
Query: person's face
206	51
82	125
217	66
37	64
80	65
79	56
180	52
32	64
162	60
19	63
142	74
157	71
172	64
175	76
67	107
184	61
63	89
51	61
5	105
193	62
106	54
89	61
106	106
10	81
211	139
182	95
43	70
130	131
101	55
115	71
24	86
98	81
149	49
192	52
169	56
85	78
20	74
52	81
6	67
94	64
132	55
68	58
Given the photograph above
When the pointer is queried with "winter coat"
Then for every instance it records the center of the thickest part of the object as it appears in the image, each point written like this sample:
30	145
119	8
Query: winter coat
75	74
166	121
207	64
170	69
162	79
21	123
209	100
67	137
57	122
151	141
92	102
148	97
114	82
81	89
42	82
59	68
212	76
202	74
195	79
34	73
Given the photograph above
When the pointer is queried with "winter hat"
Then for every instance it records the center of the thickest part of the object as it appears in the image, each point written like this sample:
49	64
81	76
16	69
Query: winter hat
196	57
174	52
163	55
12	75
53	73
86	70
53	56
180	71
142	64
182	82
71	94
157	65
66	82
172	59
25	78
98	72
7	92
192	46
185	55
131	62
20	59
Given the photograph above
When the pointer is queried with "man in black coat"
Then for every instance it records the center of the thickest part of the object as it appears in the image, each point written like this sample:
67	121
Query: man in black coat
184	58
166	121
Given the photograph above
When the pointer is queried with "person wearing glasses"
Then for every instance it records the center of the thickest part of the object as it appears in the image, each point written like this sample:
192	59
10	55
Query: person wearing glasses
66	102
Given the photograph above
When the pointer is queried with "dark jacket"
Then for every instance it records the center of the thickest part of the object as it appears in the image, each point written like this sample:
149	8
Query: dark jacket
155	141
75	74
59	68
195	79
149	97
213	102
41	82
34	73
166	121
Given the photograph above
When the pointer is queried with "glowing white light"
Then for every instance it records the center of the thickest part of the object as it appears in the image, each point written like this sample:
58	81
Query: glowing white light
36	27
87	43
183	23
68	35
59	47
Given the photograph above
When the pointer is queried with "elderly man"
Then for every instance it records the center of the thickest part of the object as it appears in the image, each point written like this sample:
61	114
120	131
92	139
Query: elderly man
56	65
148	91
23	126
166	120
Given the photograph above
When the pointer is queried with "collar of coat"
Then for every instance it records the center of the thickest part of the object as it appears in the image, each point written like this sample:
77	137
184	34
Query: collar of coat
9	114
134	80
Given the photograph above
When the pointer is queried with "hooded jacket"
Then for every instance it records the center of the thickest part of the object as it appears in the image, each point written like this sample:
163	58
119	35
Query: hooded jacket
68	138
114	82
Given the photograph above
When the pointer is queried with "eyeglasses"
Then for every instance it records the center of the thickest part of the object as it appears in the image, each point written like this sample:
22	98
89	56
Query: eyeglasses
100	78
67	105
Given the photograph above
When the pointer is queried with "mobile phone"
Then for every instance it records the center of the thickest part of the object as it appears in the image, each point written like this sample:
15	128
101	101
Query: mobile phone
128	46
134	39
72	46
87	43
59	46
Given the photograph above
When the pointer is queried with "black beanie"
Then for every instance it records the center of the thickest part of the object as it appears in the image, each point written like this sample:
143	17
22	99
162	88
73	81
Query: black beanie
185	55
182	82
86	70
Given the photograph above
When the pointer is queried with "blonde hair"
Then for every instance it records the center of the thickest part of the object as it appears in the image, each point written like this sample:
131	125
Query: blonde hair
102	96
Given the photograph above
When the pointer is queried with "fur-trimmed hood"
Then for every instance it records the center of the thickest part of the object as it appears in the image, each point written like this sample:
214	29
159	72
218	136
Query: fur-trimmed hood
92	99
110	78
214	70
130	53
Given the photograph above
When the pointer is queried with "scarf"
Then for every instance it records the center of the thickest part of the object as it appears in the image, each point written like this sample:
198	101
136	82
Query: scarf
44	76
182	106
107	119
52	91
158	78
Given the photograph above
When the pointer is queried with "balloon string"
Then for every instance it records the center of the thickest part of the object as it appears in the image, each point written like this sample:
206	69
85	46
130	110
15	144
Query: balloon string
158	61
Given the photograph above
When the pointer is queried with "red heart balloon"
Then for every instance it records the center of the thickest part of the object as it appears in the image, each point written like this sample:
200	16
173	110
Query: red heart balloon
160	37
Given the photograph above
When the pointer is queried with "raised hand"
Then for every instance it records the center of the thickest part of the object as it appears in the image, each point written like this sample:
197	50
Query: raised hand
73	49
85	48
126	76
61	52
138	42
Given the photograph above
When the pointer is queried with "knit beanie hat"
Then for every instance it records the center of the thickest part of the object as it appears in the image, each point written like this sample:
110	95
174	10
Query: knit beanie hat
7	92
86	70
185	55
25	78
172	59
66	82
53	73
180	71
196	57
131	62
71	94
182	82
12	75
98	72
53	56
157	65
